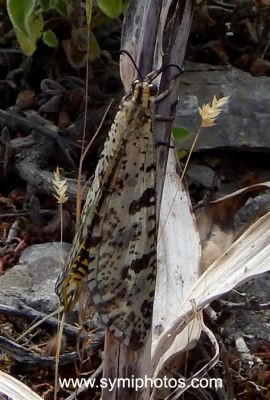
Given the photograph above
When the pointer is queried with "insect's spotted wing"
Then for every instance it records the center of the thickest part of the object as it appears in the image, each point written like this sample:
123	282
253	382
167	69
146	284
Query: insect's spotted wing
122	277
70	281
115	246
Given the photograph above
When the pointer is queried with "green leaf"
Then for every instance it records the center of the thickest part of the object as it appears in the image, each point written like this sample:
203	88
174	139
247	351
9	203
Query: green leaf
94	49
50	39
20	12
45	4
180	133
125	6
28	43
88	11
99	19
111	8
61	7
180	154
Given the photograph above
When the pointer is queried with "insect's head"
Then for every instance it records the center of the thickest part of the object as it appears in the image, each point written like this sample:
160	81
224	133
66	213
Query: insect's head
142	92
143	88
138	84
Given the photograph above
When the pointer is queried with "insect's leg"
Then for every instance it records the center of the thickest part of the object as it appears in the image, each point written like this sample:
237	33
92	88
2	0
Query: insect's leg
165	94
150	75
164	118
162	95
167	119
169	146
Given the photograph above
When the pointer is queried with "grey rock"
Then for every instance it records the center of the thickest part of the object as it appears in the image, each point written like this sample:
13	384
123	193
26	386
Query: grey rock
245	120
253	209
248	322
32	281
201	175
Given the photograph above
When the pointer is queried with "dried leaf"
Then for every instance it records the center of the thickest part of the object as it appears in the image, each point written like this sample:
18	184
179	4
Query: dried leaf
15	389
246	258
215	222
178	251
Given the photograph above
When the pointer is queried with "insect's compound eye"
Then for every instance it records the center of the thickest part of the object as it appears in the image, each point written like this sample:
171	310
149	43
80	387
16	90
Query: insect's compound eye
153	89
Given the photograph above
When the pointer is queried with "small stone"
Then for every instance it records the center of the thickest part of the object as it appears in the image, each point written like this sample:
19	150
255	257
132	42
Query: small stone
32	281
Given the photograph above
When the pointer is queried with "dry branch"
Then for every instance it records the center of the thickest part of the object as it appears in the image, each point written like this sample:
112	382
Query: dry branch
28	357
142	37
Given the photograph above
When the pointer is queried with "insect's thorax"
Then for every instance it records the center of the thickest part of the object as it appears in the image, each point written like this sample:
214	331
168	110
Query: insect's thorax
138	105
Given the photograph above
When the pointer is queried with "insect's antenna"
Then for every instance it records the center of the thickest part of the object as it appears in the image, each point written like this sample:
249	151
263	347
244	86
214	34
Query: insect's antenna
162	69
133	62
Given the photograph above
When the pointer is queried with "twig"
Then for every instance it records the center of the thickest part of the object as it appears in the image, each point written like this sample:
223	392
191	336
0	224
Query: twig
223	4
10	51
24	213
83	154
14	121
26	356
244	353
227	372
42	180
259	388
83	387
251	304
51	323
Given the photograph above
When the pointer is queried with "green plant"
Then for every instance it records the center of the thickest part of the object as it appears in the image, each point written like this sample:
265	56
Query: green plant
28	18
180	134
112	8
